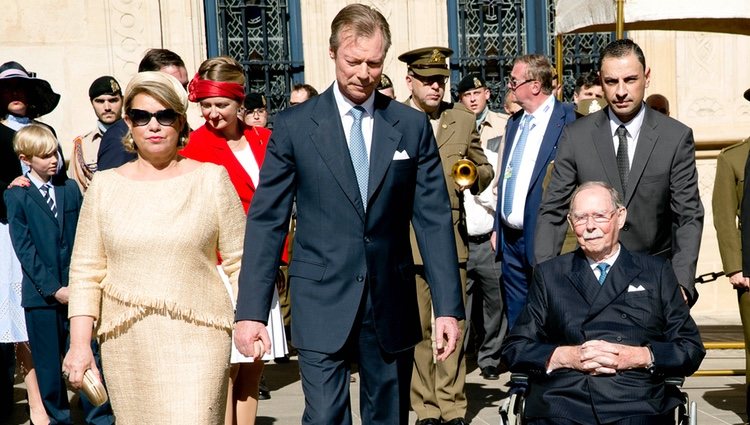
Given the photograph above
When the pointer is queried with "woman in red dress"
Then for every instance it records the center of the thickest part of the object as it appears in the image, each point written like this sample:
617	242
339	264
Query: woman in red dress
219	89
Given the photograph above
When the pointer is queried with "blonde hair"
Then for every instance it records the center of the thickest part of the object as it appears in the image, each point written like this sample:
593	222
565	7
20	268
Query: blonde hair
222	68
34	140
166	90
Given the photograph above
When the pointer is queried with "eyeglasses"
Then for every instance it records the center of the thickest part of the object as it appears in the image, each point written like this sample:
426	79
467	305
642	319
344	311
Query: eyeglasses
140	117
428	81
600	218
515	84
257	111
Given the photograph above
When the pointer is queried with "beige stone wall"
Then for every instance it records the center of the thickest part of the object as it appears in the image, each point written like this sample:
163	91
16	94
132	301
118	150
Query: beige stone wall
408	20
71	43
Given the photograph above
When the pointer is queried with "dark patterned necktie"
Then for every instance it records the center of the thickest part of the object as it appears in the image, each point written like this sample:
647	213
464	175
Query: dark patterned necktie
603	269
45	188
623	162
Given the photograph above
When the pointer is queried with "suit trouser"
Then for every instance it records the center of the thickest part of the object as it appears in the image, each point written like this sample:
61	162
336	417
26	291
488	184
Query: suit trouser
665	419
48	330
516	273
484	303
7	372
437	389
384	378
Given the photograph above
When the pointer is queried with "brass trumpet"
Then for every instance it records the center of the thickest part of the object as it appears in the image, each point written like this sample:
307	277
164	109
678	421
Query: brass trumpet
464	172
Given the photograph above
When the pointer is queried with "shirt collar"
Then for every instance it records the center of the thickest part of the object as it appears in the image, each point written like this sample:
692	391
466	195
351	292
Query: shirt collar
345	105
633	126
609	260
544	111
38	183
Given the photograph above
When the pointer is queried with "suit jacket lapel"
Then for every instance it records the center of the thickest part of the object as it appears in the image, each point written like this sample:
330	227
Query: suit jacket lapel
643	149
330	142
445	130
601	136
582	278
385	140
618	279
549	141
36	195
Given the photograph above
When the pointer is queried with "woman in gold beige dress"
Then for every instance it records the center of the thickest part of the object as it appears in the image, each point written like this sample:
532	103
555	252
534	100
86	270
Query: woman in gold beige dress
144	269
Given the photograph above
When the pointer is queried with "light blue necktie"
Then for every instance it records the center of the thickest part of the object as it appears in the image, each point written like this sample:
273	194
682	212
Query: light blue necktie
515	163
358	152
603	269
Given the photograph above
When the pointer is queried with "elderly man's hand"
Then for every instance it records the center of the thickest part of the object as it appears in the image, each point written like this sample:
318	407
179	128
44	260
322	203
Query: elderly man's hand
446	336
251	338
739	281
602	357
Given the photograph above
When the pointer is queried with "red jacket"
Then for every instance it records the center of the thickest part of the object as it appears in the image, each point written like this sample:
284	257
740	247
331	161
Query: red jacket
208	145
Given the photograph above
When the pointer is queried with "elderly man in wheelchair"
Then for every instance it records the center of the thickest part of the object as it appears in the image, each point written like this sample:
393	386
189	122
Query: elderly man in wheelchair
603	327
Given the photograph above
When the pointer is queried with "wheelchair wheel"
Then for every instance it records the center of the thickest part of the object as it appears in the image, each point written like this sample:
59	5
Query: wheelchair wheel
511	412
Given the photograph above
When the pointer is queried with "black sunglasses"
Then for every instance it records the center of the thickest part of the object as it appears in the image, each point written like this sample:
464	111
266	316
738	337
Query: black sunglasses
140	117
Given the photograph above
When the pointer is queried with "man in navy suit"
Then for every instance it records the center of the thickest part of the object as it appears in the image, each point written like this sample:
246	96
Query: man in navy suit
603	327
43	218
531	140
361	167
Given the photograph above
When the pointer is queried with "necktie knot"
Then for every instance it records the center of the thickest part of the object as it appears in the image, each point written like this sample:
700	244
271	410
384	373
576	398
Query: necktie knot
357	112
44	189
603	269
621	131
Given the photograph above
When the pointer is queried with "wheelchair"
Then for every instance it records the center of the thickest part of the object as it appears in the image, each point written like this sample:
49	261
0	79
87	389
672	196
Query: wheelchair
512	409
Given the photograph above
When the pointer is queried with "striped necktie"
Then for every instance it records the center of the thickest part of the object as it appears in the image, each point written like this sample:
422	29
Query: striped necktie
45	188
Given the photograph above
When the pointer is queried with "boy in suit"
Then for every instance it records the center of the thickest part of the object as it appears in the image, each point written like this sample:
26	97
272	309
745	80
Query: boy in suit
43	218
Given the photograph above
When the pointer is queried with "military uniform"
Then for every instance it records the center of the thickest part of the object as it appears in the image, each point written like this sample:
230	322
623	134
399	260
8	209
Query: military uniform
437	388
727	200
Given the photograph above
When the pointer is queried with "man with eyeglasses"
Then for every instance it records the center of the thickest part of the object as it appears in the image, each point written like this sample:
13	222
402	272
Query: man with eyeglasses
531	140
437	388
603	327
645	155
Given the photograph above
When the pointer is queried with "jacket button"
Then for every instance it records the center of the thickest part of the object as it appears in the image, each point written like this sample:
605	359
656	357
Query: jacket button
626	226
619	339
624	316
360	278
367	239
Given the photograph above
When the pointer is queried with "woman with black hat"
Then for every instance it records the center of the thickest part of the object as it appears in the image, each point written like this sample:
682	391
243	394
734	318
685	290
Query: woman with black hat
22	99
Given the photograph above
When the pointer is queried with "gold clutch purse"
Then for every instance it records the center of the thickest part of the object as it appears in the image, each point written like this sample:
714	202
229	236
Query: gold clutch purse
93	388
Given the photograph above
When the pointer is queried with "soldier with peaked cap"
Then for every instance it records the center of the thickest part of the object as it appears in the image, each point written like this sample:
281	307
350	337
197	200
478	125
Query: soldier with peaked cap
105	95
484	301
437	388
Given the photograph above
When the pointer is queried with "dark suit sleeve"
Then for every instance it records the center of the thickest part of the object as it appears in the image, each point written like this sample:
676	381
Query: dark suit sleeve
433	227
45	282
726	205
552	222
267	226
525	349
678	351
687	211
112	153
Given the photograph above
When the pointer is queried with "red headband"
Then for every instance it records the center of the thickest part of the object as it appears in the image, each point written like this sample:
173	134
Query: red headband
201	89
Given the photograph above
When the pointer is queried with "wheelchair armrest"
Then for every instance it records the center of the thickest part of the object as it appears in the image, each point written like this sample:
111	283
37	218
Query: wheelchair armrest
519	378
677	381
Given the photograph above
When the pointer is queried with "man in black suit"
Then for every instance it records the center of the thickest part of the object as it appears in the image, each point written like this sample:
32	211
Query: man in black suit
648	157
361	167
603	326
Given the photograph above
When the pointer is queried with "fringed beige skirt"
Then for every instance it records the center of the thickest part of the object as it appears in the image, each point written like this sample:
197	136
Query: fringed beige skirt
161	370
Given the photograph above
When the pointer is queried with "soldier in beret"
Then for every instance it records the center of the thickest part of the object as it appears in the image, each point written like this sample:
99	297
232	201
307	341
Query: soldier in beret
106	99
484	300
437	388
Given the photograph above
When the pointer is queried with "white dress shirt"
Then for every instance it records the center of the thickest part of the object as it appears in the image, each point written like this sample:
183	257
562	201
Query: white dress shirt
345	106
634	130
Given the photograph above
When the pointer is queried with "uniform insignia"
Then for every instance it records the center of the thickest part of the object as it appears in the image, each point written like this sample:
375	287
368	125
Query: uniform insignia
114	86
477	83
437	56
593	107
